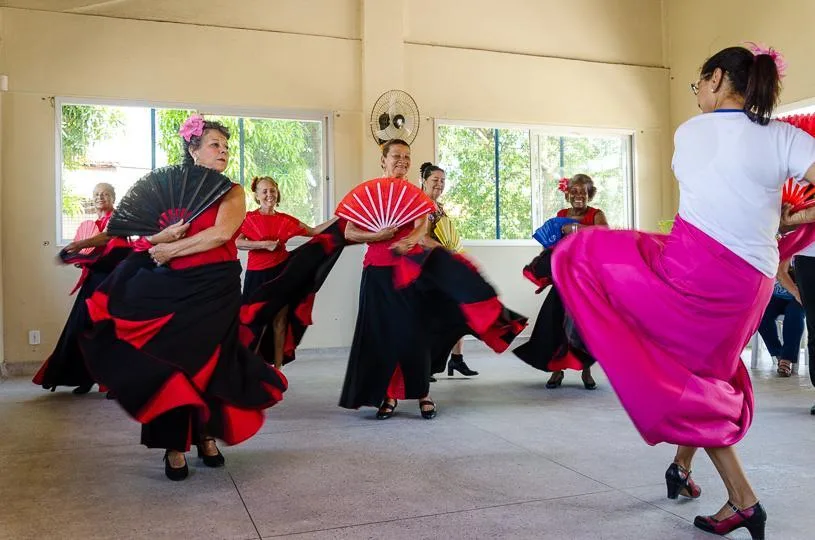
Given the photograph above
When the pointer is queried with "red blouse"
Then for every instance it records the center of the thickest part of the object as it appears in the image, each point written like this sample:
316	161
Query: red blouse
225	252
278	226
379	253
588	217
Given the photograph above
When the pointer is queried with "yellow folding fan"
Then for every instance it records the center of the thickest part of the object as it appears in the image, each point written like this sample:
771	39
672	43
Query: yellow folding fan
447	235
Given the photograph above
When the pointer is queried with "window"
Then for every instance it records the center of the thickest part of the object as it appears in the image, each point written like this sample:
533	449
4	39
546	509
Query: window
502	182
119	144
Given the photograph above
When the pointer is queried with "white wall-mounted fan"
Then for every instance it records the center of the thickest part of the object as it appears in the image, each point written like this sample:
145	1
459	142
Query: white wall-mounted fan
394	116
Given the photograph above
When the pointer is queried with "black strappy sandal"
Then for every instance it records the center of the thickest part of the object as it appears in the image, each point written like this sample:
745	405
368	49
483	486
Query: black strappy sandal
430	413
386	410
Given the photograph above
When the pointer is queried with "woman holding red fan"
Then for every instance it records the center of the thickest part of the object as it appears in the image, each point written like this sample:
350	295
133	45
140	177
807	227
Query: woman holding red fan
264	233
404	278
165	335
644	299
548	348
97	255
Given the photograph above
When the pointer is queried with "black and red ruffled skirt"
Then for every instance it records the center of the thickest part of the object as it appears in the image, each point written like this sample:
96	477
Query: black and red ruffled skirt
554	344
166	339
294	283
66	365
411	314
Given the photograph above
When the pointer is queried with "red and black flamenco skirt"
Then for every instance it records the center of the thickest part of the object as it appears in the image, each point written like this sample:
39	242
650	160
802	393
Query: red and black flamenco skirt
554	344
295	284
390	353
66	365
166	344
458	301
254	279
411	314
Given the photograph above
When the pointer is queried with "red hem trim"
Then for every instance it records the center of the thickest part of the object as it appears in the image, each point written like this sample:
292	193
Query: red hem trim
175	392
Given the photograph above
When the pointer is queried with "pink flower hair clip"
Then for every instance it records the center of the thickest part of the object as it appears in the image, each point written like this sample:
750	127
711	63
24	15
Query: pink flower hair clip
563	185
760	48
192	127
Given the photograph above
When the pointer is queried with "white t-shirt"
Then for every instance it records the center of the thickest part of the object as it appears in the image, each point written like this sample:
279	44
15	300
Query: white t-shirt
730	172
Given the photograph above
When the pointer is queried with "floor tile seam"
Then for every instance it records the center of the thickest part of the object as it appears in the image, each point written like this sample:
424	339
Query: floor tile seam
439	514
541	455
246	508
652	505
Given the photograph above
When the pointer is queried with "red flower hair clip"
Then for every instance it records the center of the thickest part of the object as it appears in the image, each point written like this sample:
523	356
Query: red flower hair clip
563	185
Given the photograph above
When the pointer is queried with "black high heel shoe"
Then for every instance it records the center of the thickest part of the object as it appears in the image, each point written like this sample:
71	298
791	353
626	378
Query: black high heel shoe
84	389
456	363
217	460
555	380
175	474
753	519
588	380
678	479
428	414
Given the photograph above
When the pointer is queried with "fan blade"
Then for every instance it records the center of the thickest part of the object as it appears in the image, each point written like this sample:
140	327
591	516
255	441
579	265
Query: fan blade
362	205
373	207
357	218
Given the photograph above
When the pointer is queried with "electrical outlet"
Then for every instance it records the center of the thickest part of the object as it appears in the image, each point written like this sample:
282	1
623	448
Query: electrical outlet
33	337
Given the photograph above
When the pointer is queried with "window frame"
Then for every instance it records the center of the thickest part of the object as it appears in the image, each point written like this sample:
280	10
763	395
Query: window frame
631	186
325	117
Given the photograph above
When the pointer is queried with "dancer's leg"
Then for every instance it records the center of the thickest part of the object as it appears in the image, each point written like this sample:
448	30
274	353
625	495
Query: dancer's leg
739	490
279	326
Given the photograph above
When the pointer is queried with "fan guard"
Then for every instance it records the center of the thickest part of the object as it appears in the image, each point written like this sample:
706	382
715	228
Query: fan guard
394	116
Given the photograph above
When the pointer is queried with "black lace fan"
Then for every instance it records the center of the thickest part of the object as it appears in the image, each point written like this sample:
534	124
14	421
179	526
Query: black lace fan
166	196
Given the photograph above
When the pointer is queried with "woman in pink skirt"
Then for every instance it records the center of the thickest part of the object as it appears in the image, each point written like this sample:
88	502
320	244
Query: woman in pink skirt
642	300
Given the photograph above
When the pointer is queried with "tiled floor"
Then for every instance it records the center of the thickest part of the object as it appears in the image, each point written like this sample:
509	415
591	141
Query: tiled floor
505	458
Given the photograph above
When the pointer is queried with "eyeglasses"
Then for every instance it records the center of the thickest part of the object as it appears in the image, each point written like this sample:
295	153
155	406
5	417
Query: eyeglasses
694	87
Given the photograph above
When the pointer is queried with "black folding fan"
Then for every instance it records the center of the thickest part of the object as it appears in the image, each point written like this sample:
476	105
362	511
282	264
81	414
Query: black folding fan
166	196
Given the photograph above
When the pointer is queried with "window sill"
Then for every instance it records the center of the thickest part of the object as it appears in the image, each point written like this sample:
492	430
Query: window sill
501	243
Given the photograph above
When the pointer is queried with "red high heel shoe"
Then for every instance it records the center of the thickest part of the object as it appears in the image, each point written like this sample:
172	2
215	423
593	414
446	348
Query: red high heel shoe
679	482
753	518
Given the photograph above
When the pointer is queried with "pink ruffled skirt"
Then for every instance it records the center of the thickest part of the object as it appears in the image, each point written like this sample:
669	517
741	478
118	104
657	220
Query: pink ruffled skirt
667	317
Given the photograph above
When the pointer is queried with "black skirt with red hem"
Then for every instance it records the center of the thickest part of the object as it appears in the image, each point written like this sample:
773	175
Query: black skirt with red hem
390	354
255	279
165	339
295	285
66	365
410	316
550	347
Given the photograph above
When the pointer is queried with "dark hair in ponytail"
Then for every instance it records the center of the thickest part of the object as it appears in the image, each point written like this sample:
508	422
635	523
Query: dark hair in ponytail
427	169
755	77
195	142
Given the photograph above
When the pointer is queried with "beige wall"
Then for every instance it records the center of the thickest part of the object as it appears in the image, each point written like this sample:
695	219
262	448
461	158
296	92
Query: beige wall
339	66
615	31
696	29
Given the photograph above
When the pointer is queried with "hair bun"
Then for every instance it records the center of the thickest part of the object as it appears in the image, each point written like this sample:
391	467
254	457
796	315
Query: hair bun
426	165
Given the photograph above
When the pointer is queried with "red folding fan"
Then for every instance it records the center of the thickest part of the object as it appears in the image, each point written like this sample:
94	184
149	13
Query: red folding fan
384	202
805	122
799	195
279	227
87	229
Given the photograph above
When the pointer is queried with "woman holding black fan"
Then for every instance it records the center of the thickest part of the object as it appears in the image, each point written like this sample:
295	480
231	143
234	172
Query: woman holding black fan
97	255
165	335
